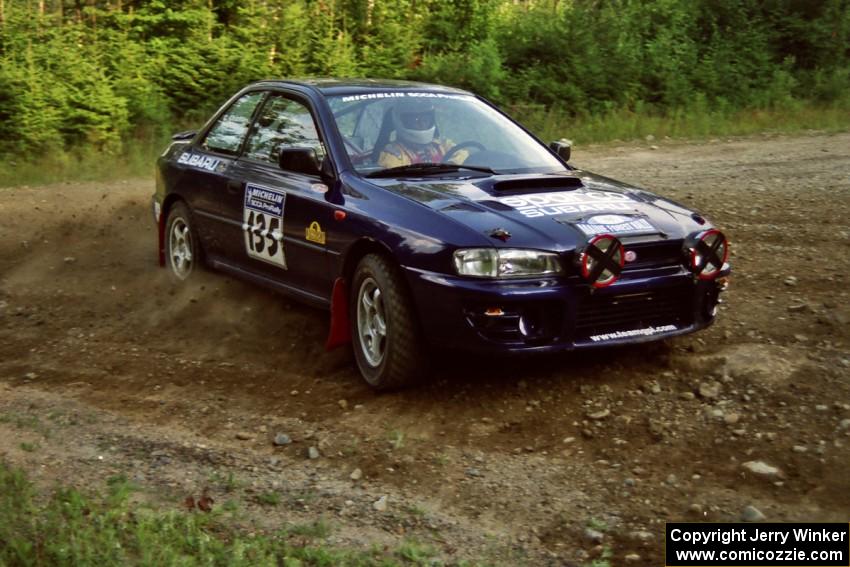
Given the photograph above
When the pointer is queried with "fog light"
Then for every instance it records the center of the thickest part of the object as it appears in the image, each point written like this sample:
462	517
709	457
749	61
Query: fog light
531	326
525	328
494	312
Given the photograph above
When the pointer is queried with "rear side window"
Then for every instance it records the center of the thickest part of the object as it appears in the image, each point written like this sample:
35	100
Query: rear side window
229	130
283	123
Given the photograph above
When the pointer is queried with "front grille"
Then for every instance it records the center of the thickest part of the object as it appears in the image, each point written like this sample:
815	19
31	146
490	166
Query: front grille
654	255
599	313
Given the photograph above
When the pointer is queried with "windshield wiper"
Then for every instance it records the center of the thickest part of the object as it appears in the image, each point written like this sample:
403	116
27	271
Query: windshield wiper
427	169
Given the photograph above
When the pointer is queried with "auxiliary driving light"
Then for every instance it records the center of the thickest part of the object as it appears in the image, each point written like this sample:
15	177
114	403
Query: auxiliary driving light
708	252
602	260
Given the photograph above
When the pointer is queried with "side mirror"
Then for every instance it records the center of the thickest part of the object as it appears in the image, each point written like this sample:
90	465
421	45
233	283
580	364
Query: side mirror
183	136
300	160
562	147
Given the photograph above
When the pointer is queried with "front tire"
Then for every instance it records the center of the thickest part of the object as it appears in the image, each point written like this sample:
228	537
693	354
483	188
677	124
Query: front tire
386	338
182	251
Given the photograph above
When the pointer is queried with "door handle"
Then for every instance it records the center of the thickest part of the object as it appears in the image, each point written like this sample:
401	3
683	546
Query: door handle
234	186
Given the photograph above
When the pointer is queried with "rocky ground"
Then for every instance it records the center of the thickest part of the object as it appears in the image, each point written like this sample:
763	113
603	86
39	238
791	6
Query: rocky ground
218	388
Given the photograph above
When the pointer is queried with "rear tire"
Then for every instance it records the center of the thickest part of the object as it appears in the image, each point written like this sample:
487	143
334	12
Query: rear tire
386	338
182	250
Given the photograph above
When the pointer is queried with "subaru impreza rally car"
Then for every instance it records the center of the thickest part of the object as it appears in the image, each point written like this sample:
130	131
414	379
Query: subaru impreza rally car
422	216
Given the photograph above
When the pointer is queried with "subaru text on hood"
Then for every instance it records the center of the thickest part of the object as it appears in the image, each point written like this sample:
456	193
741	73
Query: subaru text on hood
422	216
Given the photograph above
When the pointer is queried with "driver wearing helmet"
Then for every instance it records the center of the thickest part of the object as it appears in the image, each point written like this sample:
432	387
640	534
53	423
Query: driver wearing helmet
415	137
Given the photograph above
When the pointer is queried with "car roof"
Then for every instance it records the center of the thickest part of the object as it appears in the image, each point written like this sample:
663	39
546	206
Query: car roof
334	86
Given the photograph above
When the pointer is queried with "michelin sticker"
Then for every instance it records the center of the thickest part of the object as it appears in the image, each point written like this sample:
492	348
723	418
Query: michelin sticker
376	96
262	222
552	204
199	160
614	224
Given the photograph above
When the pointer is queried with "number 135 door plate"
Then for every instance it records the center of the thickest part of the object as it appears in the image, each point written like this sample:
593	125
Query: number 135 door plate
262	222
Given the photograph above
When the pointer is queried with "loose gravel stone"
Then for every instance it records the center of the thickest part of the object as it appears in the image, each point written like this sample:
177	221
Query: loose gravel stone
313	453
282	439
752	514
380	504
597	415
762	469
709	390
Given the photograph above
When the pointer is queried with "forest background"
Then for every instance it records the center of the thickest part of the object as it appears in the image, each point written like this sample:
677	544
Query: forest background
88	82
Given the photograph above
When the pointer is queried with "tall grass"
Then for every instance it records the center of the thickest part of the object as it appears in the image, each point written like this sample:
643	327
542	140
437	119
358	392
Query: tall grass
136	159
104	530
619	125
697	122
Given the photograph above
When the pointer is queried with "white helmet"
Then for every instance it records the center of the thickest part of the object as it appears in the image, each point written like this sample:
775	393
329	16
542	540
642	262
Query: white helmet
414	121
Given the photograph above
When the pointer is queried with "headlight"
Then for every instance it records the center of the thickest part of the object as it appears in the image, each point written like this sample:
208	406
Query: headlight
505	263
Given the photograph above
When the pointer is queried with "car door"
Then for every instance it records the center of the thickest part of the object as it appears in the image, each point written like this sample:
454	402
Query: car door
208	165
283	214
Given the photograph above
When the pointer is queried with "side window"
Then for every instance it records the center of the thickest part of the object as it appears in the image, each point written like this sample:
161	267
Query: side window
227	133
369	126
283	123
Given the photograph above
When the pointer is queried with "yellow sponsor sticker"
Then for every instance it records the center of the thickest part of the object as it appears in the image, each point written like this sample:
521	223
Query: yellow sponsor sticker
315	233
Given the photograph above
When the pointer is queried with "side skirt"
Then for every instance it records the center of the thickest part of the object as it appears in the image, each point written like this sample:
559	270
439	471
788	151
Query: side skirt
268	283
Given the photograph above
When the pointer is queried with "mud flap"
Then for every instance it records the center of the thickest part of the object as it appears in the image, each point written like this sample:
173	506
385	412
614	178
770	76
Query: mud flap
339	332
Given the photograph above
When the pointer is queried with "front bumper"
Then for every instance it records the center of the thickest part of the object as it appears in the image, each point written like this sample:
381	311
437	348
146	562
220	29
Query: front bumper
563	313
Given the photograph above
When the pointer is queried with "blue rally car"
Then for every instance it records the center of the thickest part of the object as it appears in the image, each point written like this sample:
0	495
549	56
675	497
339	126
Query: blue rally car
422	216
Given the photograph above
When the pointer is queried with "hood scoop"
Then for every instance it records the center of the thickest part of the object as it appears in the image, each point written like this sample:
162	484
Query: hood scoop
460	206
537	184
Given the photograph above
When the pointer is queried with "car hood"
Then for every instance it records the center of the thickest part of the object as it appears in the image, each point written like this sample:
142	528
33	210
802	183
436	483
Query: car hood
554	212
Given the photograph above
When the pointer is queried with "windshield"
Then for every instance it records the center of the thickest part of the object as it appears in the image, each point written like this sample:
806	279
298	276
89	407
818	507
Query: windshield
395	129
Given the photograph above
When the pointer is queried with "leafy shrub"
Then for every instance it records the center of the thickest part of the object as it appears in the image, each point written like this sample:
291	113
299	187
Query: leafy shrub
93	77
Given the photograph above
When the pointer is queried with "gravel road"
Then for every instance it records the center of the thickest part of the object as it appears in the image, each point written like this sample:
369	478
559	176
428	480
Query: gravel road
107	368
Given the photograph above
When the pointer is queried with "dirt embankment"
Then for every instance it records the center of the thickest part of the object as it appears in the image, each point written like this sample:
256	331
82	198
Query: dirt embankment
108	368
